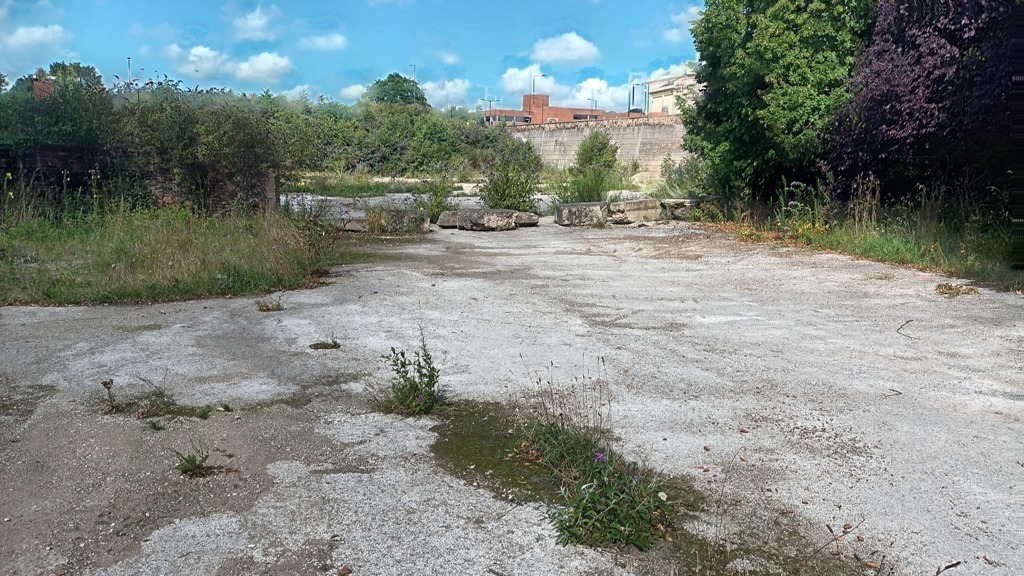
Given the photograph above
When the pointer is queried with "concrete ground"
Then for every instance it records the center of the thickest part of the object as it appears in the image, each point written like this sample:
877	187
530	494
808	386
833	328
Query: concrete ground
791	383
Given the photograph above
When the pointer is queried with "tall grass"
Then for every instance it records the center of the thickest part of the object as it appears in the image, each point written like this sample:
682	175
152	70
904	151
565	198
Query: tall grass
150	255
589	185
926	232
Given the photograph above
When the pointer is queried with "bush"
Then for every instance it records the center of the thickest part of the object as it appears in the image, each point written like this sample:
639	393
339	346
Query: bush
413	390
512	177
595	153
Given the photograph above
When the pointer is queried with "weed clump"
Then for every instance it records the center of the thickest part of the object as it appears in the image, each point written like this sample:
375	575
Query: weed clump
269	304
156	403
194	464
414	383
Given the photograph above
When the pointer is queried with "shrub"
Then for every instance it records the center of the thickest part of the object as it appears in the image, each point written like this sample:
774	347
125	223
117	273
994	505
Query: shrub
512	177
596	152
414	383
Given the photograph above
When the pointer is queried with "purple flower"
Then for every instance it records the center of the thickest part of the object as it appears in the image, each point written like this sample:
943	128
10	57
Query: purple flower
600	457
792	203
420	399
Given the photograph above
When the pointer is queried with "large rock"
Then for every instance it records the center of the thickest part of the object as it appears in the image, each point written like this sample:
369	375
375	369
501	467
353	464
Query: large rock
586	214
682	208
525	219
386	220
631	211
484	220
448	219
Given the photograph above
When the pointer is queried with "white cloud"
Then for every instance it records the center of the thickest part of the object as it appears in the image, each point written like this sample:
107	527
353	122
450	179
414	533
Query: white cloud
333	41
568	48
449	59
673	70
27	37
353	92
681	22
265	67
256	24
517	81
447	92
199	62
299	92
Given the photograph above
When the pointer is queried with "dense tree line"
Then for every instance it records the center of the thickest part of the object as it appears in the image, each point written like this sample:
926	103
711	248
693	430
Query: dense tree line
905	92
192	140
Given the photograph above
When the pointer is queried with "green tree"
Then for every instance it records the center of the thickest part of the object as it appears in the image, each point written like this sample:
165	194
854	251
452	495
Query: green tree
76	71
596	152
396	89
774	74
3	82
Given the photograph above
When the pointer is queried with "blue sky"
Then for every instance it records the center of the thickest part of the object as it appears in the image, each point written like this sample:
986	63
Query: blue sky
462	51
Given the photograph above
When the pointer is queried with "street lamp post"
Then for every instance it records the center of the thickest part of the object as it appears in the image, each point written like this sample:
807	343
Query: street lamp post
533	89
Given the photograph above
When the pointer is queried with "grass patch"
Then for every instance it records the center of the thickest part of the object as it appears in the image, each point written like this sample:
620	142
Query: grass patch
156	403
331	344
156	255
269	304
926	233
556	450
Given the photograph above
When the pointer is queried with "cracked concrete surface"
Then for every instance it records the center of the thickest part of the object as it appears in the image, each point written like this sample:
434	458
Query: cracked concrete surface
778	370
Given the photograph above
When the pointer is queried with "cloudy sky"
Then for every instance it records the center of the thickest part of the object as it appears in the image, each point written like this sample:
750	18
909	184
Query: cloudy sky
460	51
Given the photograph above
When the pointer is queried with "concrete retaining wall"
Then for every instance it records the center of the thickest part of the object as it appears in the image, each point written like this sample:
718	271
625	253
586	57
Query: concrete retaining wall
646	140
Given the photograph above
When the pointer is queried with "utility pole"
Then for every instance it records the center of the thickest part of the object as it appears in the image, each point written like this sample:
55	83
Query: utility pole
490	104
413	73
533	89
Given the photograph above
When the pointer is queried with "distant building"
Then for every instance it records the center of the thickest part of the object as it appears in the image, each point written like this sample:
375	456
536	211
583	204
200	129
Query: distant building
537	109
663	91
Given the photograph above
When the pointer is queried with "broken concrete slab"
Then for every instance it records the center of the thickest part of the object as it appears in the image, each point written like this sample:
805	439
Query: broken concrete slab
585	214
526	219
485	220
448	219
631	211
682	208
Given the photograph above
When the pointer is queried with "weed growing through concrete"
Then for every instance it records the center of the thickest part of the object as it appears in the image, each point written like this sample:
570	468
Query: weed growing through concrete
156	403
607	499
414	383
194	463
269	304
331	344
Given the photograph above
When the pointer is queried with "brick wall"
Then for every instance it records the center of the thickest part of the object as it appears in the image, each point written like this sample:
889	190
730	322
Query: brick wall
646	140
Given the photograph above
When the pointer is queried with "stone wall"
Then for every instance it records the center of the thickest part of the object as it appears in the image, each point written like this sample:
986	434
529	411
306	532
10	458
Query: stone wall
646	140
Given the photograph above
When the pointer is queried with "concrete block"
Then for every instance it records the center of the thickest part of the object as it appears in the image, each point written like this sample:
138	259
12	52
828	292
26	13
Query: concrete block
484	220
525	219
584	214
448	219
632	211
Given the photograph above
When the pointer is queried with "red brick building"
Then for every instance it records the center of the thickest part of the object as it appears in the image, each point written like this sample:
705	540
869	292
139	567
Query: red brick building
537	109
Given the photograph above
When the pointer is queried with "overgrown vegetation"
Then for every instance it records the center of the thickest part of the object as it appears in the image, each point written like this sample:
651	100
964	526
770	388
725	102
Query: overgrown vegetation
595	172
512	177
876	128
156	255
606	500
